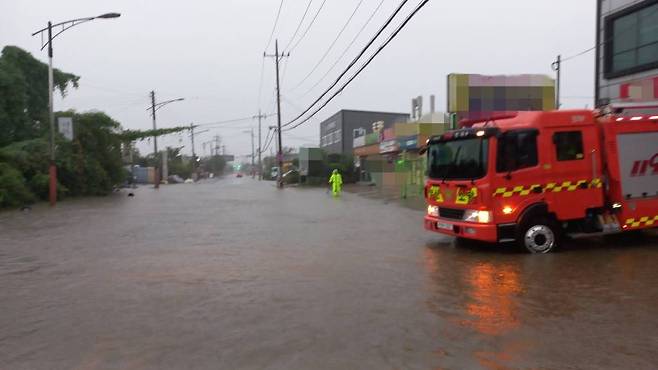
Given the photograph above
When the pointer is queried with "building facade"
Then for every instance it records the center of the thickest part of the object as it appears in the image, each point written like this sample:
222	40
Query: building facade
627	54
337	133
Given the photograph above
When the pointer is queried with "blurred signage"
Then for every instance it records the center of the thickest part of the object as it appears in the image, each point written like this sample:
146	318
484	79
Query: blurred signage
359	141
366	150
65	127
408	142
388	146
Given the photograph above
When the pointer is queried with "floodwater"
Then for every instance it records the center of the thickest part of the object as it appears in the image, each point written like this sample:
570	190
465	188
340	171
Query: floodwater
235	274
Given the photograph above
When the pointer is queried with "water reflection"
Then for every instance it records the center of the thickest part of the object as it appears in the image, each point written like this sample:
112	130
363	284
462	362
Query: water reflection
493	290
502	309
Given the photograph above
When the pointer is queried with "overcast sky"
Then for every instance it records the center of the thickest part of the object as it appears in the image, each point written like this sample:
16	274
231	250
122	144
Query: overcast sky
210	53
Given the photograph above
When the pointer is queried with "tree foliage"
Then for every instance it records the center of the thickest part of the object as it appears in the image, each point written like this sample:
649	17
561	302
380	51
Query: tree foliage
133	135
91	164
24	94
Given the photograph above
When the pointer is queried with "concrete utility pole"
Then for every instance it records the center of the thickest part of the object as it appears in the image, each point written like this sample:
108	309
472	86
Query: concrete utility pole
277	57
155	143
192	137
217	141
260	148
557	67
253	154
194	159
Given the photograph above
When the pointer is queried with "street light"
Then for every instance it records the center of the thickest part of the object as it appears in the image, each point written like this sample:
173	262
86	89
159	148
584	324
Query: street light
52	170
154	107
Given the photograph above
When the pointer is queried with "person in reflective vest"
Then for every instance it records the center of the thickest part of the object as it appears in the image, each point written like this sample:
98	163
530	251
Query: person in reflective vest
336	181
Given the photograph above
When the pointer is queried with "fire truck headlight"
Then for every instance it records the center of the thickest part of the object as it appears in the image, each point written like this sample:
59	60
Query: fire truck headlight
433	211
482	217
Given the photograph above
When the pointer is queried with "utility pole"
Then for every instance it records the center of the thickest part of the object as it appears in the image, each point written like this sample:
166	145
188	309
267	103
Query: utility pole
155	143
216	137
253	174
557	67
192	136
277	58
260	148
52	169
194	163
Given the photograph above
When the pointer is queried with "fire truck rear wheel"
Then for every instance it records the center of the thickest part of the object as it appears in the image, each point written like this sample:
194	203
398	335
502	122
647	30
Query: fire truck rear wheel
539	235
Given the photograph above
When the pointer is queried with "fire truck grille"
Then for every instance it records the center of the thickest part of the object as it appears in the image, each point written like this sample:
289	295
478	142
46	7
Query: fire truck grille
451	213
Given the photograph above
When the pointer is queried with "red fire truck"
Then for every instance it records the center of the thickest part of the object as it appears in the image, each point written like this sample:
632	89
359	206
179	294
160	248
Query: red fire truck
533	177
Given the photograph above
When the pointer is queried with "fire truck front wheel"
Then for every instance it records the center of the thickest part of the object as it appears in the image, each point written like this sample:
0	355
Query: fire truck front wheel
538	235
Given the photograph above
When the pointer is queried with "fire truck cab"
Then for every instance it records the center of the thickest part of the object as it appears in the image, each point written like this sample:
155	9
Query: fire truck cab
533	177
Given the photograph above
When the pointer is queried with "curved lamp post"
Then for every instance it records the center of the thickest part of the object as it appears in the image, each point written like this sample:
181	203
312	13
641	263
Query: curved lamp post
52	170
158	163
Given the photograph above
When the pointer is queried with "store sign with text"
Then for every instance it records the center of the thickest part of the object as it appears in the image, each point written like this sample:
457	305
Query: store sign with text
388	146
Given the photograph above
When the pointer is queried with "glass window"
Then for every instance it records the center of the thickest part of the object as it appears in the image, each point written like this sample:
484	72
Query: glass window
517	150
569	145
458	159
647	54
634	40
649	20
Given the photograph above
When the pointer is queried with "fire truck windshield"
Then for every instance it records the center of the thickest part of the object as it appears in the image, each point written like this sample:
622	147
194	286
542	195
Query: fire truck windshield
464	159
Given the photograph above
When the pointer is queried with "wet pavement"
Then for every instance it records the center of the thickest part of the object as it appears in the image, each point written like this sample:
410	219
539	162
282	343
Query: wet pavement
235	274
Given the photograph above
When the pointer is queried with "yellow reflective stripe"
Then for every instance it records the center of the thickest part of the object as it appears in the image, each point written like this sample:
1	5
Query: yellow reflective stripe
643	221
499	191
550	187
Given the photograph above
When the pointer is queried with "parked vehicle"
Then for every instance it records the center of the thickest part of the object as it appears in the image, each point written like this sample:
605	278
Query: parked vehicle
239	174
274	174
291	177
533	177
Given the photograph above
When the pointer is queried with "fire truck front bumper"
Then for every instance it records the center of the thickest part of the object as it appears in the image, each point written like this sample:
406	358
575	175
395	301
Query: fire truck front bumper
468	230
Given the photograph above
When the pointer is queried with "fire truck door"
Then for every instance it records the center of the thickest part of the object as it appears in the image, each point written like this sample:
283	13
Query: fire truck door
573	182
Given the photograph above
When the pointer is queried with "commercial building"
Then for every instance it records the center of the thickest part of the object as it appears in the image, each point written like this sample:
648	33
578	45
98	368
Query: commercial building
474	96
338	131
389	157
627	54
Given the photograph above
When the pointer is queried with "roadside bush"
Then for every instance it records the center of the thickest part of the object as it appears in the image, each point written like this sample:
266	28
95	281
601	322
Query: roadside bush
13	190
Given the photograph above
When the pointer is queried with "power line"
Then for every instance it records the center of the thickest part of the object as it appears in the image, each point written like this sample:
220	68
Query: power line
309	27
381	47
260	83
299	25
353	62
346	49
268	144
267	139
226	121
276	21
358	5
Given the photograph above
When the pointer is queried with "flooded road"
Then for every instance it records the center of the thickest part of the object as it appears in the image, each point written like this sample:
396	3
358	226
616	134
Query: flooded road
235	274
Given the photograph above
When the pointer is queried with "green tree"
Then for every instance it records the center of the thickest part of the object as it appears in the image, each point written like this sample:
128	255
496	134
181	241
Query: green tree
24	94
178	164
214	164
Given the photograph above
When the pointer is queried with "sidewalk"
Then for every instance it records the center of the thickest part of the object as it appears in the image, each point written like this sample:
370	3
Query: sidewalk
387	194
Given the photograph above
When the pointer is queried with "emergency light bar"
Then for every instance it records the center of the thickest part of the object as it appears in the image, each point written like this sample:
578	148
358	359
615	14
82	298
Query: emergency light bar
465	133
